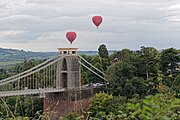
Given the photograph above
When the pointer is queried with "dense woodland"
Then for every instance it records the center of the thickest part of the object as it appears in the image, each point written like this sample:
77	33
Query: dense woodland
142	84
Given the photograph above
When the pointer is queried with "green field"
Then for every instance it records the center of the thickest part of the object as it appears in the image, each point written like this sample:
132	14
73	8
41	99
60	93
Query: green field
9	64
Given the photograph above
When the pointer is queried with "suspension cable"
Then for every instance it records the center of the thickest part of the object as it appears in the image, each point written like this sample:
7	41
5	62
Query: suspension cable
92	71
91	65
15	79
29	70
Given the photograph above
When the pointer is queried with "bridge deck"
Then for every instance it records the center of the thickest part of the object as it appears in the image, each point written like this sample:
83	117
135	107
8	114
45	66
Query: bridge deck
43	91
30	92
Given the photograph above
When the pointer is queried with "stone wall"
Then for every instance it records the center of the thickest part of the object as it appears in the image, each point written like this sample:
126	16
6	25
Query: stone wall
61	104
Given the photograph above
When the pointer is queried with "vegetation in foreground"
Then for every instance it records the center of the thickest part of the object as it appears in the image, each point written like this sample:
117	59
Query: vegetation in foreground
143	84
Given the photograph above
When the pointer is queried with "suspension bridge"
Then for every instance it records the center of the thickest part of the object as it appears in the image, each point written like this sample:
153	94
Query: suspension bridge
53	76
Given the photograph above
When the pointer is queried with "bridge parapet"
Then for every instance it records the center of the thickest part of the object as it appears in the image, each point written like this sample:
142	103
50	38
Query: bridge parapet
68	51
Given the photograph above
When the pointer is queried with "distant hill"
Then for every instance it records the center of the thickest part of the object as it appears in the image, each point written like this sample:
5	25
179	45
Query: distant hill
10	57
12	54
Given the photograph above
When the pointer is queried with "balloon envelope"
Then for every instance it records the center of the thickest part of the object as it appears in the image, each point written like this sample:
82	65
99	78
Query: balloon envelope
71	36
97	20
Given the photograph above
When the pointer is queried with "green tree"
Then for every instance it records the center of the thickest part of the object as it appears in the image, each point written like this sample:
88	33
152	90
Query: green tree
120	70
169	59
104	62
176	86
3	73
71	116
149	61
123	55
119	77
102	51
18	105
100	103
88	76
156	107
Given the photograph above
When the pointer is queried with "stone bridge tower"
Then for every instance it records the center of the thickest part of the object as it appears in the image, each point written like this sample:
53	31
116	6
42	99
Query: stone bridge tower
73	99
68	69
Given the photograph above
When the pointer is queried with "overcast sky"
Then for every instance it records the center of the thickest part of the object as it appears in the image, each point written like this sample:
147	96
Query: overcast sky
41	25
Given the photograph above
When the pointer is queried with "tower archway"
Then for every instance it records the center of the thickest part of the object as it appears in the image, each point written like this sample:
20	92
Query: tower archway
64	74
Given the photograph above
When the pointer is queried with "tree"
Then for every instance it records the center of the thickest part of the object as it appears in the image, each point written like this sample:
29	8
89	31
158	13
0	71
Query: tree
100	103
18	105
107	107
176	85
102	51
149	59
155	107
119	75
120	70
104	62
169	59
123	55
88	76
3	73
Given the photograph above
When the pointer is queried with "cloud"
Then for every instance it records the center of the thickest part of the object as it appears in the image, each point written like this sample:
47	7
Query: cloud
7	35
126	23
173	13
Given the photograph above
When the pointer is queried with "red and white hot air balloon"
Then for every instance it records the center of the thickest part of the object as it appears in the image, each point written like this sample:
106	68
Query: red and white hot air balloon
71	36
97	20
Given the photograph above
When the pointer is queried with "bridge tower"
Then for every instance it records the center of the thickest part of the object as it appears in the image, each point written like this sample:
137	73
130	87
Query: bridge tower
68	69
68	77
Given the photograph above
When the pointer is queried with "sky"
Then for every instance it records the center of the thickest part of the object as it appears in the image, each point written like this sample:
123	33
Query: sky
41	25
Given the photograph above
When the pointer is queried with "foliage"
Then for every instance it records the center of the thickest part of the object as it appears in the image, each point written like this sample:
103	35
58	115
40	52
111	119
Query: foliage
169	59
120	70
102	51
72	116
9	57
123	55
156	107
172	83
106	107
111	116
3	74
145	60
176	86
19	105
89	77
152	107
27	64
129	87
100	103
131	76
149	59
121	81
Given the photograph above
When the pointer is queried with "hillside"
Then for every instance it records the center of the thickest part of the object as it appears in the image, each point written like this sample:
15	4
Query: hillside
9	57
16	55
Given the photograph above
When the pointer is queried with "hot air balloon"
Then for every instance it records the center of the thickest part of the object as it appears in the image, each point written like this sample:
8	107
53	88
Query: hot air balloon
71	36
97	20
